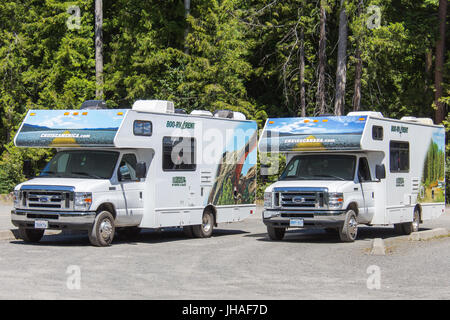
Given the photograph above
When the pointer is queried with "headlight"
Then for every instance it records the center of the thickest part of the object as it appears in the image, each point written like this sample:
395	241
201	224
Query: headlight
83	200
335	200
16	198
267	199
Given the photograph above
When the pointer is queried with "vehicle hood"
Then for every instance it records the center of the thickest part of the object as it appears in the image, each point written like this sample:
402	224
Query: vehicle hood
81	185
332	185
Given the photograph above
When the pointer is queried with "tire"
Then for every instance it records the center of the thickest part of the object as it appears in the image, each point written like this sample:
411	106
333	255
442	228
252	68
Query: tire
349	230
188	231
276	234
103	229
205	229
410	227
31	235
129	233
398	228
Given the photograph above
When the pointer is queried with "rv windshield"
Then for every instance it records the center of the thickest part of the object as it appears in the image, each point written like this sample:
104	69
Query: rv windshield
320	167
84	164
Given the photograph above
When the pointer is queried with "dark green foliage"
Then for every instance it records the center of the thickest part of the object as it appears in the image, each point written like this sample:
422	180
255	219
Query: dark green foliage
240	55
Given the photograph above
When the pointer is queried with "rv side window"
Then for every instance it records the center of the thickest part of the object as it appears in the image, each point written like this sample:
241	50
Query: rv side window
377	133
363	170
142	128
399	156
179	154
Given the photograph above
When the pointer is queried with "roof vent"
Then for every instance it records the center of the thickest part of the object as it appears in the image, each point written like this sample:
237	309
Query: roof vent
157	106
374	114
93	105
228	114
428	121
202	113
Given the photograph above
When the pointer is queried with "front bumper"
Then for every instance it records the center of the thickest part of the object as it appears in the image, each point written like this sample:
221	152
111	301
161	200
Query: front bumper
311	219
59	220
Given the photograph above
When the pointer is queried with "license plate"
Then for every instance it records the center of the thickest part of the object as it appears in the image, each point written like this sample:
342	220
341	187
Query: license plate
40	224
296	223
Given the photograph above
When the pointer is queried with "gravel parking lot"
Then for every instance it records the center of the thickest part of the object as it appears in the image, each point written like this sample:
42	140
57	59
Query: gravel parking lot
238	262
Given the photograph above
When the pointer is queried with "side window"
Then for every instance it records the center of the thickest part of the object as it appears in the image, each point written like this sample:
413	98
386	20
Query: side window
179	154
363	170
377	133
142	128
291	170
399	156
127	167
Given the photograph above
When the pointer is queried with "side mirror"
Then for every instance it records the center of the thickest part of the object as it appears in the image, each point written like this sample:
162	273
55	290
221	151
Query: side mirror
141	170
28	169
380	171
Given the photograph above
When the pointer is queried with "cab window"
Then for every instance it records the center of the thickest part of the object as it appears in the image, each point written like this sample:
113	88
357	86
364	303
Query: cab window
363	170
127	167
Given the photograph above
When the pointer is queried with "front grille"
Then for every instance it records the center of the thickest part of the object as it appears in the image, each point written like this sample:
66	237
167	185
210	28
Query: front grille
301	198
32	197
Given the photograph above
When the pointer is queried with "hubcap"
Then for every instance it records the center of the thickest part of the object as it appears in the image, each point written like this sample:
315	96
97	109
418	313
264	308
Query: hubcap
206	223
416	222
352	227
106	229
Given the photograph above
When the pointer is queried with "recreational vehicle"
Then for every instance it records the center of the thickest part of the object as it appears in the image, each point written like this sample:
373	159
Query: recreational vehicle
151	166
362	168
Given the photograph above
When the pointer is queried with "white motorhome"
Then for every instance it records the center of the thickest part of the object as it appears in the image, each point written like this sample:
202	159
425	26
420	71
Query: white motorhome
150	166
356	169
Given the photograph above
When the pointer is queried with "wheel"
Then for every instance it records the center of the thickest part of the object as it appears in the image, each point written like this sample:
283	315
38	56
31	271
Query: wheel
102	232
398	228
276	233
409	227
129	232
31	235
349	230
205	229
188	231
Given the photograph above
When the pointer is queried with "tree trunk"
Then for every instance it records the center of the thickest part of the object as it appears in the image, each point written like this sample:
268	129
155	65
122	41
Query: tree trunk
341	72
302	75
358	69
320	96
99	48
438	75
187	10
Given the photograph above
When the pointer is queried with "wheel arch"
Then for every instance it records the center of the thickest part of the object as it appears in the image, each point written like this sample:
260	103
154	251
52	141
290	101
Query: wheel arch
107	206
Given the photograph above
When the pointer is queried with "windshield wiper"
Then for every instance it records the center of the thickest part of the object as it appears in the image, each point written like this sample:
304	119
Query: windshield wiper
328	176
49	173
87	175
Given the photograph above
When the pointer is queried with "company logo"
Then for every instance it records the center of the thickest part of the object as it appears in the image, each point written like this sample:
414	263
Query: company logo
44	199
298	199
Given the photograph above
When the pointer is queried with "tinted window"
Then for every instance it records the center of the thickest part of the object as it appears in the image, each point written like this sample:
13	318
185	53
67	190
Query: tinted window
179	154
399	156
142	128
320	167
127	167
363	170
81	164
377	133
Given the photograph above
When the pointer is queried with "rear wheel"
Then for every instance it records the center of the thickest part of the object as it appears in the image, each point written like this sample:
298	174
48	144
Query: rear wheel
31	235
276	233
349	230
102	232
205	229
410	227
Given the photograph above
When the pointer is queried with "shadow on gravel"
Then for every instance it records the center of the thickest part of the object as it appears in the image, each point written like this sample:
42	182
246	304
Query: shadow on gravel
146	236
322	236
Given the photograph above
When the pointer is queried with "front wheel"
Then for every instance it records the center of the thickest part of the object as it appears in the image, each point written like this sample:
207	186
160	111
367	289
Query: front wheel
31	235
276	233
102	232
349	231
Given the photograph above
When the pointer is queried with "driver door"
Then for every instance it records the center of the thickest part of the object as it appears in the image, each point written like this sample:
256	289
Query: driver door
131	189
367	187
